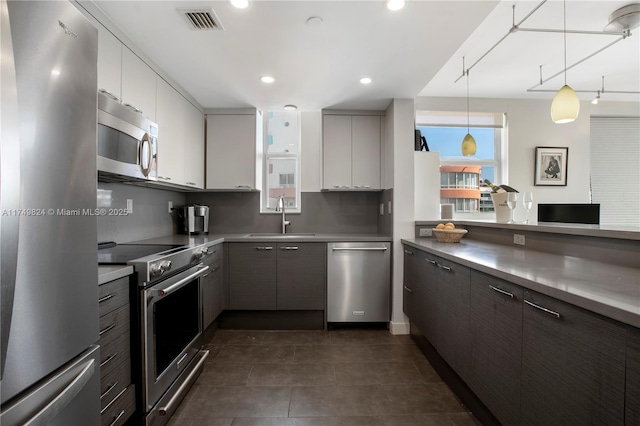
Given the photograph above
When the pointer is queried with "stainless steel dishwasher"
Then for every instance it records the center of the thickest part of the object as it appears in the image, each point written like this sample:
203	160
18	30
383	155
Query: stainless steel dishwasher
358	282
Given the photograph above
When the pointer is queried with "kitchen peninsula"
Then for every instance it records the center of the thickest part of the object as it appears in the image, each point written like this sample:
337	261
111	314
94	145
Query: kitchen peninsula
541	333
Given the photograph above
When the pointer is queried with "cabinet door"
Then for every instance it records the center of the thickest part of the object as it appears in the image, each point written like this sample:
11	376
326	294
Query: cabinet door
573	370
336	151
231	151
211	299
252	276
410	283
365	152
632	404
301	276
495	325
138	84
109	62
194	153
427	295
171	131
453	315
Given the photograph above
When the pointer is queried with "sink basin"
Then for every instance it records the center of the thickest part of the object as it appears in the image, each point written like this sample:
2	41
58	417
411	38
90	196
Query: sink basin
277	235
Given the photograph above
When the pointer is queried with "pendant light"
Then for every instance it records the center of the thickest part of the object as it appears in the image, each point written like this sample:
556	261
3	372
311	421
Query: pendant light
468	143
566	105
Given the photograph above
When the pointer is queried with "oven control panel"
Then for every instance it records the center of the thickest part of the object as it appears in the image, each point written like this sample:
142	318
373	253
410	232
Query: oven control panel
158	268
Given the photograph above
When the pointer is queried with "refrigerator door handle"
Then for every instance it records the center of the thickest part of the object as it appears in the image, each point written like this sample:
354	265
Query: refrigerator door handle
10	184
51	395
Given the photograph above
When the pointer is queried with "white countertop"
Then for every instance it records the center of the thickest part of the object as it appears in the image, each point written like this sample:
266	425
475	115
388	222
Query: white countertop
108	273
610	290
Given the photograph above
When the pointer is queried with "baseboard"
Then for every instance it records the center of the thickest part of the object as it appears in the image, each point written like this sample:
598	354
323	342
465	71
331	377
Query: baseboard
399	328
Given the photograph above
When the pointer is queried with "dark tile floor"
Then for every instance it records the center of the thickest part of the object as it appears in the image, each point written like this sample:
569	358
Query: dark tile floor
355	377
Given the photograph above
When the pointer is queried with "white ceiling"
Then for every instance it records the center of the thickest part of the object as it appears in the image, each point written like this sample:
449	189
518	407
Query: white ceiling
422	45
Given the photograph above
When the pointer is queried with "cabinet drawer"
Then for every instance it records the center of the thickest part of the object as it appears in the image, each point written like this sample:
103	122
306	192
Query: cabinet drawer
114	325
215	254
114	353
120	409
113	295
114	383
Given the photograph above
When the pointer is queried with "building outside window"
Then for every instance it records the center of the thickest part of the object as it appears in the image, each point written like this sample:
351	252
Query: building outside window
462	178
281	160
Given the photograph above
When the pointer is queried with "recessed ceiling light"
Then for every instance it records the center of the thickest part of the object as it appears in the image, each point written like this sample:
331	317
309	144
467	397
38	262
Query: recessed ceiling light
365	80
290	107
267	79
240	4
314	21
395	4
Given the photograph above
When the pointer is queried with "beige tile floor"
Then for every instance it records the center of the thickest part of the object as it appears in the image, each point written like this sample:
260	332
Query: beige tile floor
354	377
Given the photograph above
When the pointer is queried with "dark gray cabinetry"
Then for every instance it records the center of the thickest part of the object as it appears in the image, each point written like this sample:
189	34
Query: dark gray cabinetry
117	395
453	315
252	276
573	365
283	276
632	402
495	332
411	281
301	276
420	292
212	288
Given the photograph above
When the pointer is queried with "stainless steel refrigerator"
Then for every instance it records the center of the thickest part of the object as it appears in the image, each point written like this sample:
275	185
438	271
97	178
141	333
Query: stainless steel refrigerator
49	364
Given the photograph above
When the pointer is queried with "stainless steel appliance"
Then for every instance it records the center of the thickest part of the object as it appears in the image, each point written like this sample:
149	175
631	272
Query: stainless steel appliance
170	318
49	326
358	282
193	219
127	142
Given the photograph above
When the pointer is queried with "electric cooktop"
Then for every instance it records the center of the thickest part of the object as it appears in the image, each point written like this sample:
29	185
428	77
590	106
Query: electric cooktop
119	254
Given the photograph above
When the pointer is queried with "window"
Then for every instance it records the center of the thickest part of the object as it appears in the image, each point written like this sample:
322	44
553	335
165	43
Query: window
462	178
281	161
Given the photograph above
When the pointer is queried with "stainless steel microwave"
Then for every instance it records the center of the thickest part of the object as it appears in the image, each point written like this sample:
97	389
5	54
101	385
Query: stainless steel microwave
127	142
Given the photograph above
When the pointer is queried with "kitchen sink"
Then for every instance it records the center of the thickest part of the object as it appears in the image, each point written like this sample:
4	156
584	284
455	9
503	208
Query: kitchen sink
279	235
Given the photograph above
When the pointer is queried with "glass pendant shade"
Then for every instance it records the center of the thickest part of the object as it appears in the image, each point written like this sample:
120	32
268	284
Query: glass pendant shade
468	145
565	106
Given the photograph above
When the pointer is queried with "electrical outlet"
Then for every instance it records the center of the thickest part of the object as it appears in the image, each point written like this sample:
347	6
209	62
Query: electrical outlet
381	209
425	232
518	239
129	206
170	206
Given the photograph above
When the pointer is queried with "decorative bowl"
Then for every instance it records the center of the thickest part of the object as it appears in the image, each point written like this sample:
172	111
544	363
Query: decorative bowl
449	235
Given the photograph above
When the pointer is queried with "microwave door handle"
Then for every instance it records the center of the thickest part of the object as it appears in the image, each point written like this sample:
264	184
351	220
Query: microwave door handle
146	169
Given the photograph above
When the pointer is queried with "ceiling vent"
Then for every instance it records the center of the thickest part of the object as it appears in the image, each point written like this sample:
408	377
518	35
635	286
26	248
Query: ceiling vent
201	19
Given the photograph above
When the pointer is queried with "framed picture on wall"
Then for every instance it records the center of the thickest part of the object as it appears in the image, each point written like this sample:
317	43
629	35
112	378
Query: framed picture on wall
551	166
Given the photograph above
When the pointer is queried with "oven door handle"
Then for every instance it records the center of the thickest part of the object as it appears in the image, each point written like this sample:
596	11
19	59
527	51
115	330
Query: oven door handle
165	292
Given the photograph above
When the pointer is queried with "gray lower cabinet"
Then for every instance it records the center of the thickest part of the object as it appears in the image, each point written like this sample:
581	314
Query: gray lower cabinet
282	276
632	401
573	365
117	395
212	286
411	283
420	292
301	276
495	333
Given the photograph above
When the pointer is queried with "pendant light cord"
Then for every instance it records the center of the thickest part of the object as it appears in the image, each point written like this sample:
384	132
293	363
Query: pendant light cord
564	18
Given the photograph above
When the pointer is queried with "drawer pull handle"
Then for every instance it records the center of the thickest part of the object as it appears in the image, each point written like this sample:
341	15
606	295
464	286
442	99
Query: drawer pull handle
359	249
506	293
191	183
446	268
109	389
117	418
111	327
108	360
111	95
408	252
264	248
408	289
433	262
289	248
136	109
549	311
106	407
105	298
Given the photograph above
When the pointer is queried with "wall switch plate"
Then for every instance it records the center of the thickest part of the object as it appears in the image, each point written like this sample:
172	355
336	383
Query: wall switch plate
518	239
170	206
425	232
129	205
381	209
389	209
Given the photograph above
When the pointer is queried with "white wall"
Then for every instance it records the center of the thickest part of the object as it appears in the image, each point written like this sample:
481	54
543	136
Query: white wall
529	125
311	161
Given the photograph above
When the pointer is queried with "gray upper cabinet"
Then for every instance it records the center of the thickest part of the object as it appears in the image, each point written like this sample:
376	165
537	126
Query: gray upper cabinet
138	85
351	152
495	332
301	276
252	276
632	402
231	151
573	365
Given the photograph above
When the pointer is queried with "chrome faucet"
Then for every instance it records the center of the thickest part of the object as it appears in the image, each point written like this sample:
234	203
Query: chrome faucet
280	207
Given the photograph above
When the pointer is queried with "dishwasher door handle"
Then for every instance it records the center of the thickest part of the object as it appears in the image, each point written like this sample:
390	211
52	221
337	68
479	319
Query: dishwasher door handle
359	249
